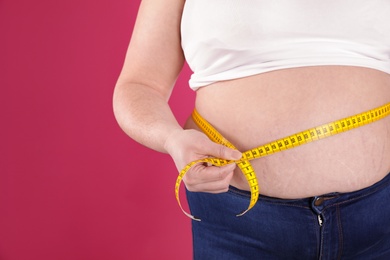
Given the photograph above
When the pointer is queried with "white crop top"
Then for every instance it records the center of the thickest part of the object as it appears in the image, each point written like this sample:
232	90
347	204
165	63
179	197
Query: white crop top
229	39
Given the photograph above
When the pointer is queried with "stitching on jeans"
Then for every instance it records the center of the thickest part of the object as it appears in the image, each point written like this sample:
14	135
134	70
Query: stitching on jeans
317	231
358	197
341	238
322	238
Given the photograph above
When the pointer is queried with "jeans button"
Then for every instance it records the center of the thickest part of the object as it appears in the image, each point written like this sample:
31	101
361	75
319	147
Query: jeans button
318	201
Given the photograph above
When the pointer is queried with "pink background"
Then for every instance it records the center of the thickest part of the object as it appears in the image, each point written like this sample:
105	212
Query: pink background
72	184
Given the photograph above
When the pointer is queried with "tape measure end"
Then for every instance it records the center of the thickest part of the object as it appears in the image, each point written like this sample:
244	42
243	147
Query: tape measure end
242	213
191	216
196	219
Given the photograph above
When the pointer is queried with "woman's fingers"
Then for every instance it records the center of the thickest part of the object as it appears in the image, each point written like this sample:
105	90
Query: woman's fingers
223	152
210	179
191	145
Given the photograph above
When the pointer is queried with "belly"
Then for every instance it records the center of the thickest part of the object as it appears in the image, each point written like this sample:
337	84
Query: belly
256	110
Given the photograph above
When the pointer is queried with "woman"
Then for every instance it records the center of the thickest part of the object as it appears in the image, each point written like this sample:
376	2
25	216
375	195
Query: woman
264	70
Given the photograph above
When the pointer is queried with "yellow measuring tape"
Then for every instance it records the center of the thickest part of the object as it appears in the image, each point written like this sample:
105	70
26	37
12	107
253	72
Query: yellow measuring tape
304	137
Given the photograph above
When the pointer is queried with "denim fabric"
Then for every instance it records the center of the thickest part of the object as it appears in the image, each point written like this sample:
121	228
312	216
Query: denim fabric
352	225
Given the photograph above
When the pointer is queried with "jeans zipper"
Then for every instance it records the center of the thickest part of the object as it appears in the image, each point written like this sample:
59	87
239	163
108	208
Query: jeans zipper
319	217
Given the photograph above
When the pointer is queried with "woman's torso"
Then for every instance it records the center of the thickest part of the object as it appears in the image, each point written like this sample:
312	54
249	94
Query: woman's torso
255	110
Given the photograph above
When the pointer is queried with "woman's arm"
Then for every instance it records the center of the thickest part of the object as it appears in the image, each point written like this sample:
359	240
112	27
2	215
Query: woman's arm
153	62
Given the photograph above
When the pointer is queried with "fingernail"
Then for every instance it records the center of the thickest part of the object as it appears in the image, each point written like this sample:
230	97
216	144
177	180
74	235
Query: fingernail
236	155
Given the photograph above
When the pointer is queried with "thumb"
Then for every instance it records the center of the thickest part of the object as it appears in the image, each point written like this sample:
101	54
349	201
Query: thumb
223	152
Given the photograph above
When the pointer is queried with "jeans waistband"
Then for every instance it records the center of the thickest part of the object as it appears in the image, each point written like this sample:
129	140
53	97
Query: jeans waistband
321	201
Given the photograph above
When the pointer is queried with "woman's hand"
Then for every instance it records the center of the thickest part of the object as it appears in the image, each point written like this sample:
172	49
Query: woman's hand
186	146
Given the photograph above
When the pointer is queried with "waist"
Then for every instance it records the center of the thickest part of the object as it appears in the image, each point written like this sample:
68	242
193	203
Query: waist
261	109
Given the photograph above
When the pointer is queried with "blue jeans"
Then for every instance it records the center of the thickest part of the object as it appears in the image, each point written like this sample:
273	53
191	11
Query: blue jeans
353	225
